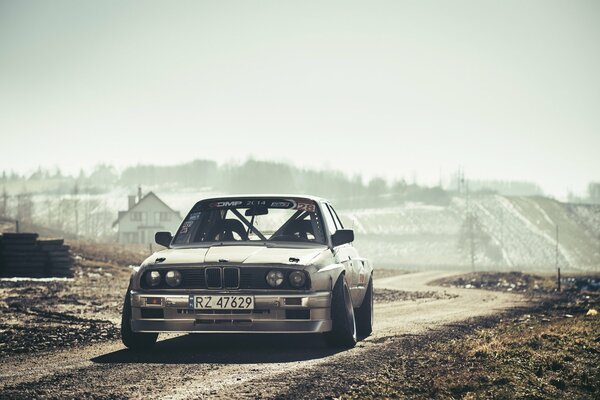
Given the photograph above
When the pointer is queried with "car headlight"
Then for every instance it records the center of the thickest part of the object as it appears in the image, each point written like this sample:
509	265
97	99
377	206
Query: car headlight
297	279
173	278
153	278
275	278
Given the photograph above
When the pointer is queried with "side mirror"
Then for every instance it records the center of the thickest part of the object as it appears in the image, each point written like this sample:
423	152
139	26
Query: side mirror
342	236
163	238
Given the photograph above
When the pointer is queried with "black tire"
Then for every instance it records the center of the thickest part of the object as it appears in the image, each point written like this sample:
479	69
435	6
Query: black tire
51	242
131	339
343	333
364	313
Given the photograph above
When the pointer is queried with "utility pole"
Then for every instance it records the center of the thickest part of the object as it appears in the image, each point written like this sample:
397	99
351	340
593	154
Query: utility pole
556	260
470	225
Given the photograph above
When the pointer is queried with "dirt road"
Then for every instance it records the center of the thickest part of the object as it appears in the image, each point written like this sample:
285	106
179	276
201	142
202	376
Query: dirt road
234	366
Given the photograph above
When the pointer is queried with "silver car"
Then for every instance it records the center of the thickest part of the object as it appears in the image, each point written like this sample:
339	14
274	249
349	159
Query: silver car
242	264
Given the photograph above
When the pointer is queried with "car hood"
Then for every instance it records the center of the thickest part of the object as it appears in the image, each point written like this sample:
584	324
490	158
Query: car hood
237	254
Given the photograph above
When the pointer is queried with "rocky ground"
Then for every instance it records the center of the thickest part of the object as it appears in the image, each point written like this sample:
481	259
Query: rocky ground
381	295
43	314
540	354
548	349
468	336
532	284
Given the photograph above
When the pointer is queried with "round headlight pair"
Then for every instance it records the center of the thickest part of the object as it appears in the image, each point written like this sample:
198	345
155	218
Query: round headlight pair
172	278
275	278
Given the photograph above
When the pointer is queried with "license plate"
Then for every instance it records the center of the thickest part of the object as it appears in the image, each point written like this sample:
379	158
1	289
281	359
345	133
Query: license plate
224	302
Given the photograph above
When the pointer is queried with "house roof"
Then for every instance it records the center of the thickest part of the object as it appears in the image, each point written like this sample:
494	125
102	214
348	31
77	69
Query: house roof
146	196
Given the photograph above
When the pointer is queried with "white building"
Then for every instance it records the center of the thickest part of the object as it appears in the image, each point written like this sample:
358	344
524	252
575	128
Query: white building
144	217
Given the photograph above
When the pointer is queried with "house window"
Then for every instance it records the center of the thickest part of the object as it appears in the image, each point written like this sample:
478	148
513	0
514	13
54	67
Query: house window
136	216
165	216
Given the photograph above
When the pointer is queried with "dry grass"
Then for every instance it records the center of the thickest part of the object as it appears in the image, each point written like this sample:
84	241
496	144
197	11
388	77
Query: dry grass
547	351
111	253
535	358
531	358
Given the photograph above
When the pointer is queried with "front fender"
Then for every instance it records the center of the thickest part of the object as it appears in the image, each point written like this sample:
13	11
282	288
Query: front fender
134	279
326	277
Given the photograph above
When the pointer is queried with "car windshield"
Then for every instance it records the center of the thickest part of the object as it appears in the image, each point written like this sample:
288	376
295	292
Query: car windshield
252	219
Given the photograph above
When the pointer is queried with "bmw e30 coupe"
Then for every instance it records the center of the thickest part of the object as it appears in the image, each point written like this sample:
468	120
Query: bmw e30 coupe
251	264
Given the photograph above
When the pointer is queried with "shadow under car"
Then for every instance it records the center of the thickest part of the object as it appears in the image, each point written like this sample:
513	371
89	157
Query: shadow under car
226	349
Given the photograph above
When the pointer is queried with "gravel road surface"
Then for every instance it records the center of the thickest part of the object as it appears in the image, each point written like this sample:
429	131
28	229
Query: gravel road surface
236	366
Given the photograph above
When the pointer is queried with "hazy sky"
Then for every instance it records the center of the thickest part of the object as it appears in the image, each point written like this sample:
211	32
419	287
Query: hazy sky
508	89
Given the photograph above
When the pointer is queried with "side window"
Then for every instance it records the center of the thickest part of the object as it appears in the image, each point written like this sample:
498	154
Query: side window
329	218
337	220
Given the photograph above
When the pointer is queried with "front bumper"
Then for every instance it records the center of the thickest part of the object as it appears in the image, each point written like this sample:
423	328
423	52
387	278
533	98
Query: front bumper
291	313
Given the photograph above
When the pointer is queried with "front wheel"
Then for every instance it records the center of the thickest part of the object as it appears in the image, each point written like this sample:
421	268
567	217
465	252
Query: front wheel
131	339
343	333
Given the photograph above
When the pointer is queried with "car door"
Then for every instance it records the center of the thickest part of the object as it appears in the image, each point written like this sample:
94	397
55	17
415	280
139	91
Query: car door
345	254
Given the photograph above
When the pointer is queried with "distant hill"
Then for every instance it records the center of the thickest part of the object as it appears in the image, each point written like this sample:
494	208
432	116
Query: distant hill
397	224
507	233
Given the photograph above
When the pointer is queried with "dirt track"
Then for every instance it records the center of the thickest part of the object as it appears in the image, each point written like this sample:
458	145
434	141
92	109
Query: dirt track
234	366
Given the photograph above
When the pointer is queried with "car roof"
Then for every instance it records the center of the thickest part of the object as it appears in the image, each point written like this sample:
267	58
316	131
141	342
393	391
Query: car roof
267	196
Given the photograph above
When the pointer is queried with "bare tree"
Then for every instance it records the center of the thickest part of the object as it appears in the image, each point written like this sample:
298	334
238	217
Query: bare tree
76	208
4	205
25	208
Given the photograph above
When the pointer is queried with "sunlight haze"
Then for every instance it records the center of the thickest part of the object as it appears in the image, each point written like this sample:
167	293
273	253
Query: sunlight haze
508	90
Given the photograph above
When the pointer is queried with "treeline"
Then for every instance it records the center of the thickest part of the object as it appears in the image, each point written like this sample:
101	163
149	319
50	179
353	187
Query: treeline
255	176
508	188
252	176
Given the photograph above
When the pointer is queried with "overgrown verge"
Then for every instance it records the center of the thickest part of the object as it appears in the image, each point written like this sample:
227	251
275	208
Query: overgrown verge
541	353
546	351
40	315
110	253
532	284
